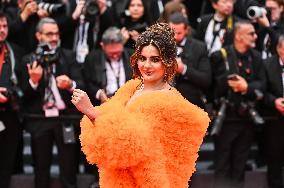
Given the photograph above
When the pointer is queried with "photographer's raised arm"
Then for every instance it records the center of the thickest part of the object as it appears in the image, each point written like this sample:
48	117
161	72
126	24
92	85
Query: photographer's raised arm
3	98
82	102
35	72
28	8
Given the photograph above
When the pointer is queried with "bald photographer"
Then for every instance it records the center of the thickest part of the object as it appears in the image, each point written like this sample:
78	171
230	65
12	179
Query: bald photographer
240	79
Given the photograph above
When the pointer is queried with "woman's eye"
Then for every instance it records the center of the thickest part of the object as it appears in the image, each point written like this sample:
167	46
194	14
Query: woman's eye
142	58
155	59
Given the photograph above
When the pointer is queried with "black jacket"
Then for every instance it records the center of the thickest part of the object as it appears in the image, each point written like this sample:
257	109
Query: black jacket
33	99
274	90
94	71
197	78
203	23
256	79
6	73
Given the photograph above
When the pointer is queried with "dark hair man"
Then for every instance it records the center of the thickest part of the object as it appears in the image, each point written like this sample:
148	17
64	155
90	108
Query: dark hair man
10	129
274	100
216	29
194	71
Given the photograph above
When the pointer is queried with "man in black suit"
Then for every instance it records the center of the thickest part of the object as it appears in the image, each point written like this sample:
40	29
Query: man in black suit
216	29
239	76
10	128
270	28
48	81
194	71
274	101
107	68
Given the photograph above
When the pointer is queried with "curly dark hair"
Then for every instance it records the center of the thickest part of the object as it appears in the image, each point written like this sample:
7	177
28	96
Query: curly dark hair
161	36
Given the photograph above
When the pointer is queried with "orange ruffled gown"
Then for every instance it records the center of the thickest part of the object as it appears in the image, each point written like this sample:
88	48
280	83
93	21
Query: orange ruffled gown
151	142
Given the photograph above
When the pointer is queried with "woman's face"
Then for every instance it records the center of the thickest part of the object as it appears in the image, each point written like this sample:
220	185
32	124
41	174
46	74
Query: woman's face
150	65
136	9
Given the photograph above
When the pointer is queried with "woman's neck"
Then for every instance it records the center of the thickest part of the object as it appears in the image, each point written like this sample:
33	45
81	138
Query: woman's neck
155	86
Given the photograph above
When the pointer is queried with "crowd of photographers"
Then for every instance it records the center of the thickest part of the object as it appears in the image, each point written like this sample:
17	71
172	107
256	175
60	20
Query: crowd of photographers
230	62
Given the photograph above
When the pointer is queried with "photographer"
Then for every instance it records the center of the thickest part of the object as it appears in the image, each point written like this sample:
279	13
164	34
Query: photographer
22	23
107	68
194	71
245	67
23	20
216	29
82	30
10	128
48	77
270	30
274	101
134	20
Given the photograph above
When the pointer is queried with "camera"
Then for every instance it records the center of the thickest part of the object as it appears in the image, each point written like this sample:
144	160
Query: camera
45	55
51	8
232	77
248	107
245	108
14	95
91	9
254	12
219	119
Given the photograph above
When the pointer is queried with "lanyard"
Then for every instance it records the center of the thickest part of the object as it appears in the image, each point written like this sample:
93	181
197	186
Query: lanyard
282	74
117	76
2	57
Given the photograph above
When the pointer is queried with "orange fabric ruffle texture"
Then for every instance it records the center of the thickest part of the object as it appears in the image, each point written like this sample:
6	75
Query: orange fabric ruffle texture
151	142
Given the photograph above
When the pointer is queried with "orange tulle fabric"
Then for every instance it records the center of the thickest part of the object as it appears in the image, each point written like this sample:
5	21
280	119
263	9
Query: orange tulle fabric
151	142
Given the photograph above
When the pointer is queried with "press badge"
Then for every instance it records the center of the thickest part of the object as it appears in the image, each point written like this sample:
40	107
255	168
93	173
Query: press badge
2	126
51	112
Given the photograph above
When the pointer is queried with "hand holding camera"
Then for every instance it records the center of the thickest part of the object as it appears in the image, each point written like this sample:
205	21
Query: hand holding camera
237	83
3	98
35	71
78	10
28	9
42	13
279	105
63	82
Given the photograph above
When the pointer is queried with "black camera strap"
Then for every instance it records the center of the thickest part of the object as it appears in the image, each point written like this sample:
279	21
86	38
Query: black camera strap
13	63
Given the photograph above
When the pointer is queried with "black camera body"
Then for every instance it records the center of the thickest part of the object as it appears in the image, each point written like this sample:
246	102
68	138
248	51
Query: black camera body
14	95
220	117
91	10
246	108
45	56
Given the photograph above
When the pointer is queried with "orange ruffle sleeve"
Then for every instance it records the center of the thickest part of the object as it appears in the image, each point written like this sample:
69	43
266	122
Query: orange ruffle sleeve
152	142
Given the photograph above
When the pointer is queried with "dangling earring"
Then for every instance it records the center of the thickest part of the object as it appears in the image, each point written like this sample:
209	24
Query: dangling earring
141	85
165	77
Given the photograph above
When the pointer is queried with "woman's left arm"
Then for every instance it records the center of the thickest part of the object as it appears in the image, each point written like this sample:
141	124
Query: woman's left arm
82	102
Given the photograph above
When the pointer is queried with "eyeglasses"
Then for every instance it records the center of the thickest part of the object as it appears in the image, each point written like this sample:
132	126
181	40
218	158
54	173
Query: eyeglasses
252	33
50	34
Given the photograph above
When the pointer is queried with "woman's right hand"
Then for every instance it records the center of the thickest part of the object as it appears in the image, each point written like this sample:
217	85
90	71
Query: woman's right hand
82	102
